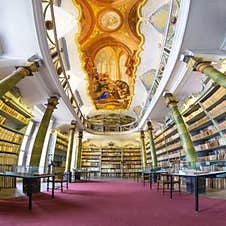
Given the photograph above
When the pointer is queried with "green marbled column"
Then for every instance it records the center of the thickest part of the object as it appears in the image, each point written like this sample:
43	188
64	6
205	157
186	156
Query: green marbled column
152	146
21	72
211	72
40	137
70	146
185	137
143	150
79	150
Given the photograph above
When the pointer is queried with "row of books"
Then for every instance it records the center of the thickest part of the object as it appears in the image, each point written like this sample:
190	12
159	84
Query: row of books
132	163
193	114
215	97
131	159
7	159
2	120
91	153
85	164
7	182
164	134
222	125
212	143
62	136
132	154
62	142
204	133
218	110
10	136
8	147
13	112
198	123
61	147
110	166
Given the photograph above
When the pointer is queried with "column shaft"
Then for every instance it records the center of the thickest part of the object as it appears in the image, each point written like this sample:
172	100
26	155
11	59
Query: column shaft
185	137
11	80
40	137
214	74
79	150
143	150
70	146
152	146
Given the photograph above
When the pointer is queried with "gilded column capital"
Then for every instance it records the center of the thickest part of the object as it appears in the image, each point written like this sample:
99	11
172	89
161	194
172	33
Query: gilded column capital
28	68
52	103
150	127
206	68
80	134
170	100
142	135
23	71
196	63
73	125
201	66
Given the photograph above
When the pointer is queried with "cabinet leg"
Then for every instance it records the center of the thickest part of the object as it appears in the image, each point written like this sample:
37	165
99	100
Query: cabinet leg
196	194
30	193
53	186
171	186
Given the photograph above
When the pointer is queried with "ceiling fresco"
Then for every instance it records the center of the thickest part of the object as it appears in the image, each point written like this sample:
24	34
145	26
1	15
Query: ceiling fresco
110	41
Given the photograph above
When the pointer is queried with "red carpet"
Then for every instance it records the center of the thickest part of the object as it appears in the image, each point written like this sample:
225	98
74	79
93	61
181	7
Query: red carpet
112	203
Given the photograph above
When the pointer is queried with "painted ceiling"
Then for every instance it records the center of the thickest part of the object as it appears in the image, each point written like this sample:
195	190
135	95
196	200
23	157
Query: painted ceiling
114	51
110	41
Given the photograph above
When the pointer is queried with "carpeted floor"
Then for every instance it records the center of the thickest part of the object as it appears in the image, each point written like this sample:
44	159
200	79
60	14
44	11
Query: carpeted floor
112	203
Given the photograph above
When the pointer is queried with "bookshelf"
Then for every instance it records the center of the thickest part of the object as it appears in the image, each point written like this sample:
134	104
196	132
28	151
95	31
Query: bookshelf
206	123
131	161
111	160
57	149
14	118
91	159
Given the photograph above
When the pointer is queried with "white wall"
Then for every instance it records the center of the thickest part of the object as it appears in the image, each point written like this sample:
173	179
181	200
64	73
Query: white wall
17	29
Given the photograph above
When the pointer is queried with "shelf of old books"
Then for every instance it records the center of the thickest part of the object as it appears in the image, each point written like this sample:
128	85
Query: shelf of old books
14	118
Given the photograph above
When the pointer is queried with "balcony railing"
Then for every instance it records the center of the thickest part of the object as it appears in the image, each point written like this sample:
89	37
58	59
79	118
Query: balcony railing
174	6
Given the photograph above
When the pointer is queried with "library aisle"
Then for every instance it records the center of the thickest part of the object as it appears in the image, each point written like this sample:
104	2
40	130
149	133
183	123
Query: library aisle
107	96
110	203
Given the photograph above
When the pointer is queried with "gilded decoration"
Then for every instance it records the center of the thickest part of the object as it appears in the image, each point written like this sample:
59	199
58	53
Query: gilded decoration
110	42
109	20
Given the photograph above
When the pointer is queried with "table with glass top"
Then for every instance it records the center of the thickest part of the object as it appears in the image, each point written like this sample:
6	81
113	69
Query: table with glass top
79	172
30	177
195	175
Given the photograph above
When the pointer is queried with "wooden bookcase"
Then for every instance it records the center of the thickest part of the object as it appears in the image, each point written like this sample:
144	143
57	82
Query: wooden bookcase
206	123
91	159
111	160
14	118
57	149
131	161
